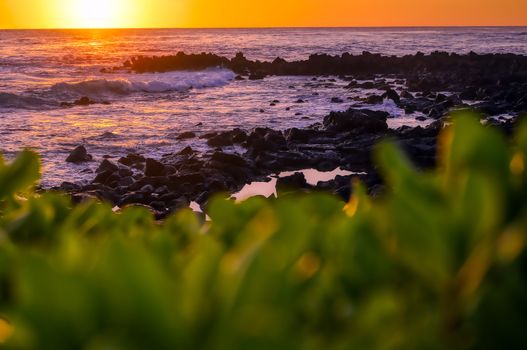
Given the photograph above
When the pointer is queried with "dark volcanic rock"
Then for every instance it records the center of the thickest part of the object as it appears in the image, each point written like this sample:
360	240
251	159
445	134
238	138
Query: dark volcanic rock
291	183
181	61
103	177
503	87
124	172
296	180
406	94
265	139
154	181
69	187
420	104
296	135
186	151
435	113
186	183
357	121
126	181
186	135
374	99
133	198
343	139
178	203
79	155
392	95
106	165
340	186
84	101
434	72
229	138
154	168
229	159
132	159
257	76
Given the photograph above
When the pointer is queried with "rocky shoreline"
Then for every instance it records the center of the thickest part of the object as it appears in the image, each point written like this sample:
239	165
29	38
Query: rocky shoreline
434	85
343	139
498	82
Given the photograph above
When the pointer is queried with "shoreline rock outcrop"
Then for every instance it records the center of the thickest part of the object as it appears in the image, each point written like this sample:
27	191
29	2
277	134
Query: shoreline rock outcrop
432	85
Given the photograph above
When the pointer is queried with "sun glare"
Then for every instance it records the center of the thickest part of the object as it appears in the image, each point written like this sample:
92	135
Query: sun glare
96	13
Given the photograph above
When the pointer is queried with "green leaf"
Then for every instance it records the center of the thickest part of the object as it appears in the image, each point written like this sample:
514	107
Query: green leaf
23	172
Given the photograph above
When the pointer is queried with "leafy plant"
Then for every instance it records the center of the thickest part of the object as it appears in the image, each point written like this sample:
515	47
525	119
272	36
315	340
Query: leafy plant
438	262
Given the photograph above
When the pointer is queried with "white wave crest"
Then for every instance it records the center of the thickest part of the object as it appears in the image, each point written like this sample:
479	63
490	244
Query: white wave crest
149	83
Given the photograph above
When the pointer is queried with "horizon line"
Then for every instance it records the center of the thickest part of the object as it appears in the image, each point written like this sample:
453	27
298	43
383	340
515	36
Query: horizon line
274	27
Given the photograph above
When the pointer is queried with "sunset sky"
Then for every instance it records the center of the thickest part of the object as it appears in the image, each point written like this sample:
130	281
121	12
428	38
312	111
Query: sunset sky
259	13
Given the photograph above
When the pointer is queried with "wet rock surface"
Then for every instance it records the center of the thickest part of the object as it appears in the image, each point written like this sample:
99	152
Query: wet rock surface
79	155
418	66
432	85
494	84
344	140
356	121
83	101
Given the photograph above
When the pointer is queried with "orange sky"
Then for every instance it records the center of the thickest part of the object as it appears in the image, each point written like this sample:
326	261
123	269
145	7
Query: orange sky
259	13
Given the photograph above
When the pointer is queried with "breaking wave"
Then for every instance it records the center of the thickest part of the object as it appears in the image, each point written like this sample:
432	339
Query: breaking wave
148	83
100	89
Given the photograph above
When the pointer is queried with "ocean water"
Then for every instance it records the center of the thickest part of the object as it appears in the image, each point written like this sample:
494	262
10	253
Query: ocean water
145	113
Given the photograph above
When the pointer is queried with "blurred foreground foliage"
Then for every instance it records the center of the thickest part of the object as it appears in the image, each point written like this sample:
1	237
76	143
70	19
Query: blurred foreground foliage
438	262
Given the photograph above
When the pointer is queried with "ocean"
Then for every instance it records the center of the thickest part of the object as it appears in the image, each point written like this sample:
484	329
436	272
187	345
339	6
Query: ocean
145	113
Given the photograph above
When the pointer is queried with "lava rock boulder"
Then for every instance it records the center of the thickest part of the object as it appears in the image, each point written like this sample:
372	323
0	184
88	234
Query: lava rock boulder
79	155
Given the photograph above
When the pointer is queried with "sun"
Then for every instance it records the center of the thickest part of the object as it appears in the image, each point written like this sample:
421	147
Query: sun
96	13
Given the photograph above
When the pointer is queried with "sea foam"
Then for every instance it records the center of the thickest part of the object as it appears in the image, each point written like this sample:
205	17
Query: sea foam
148	83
